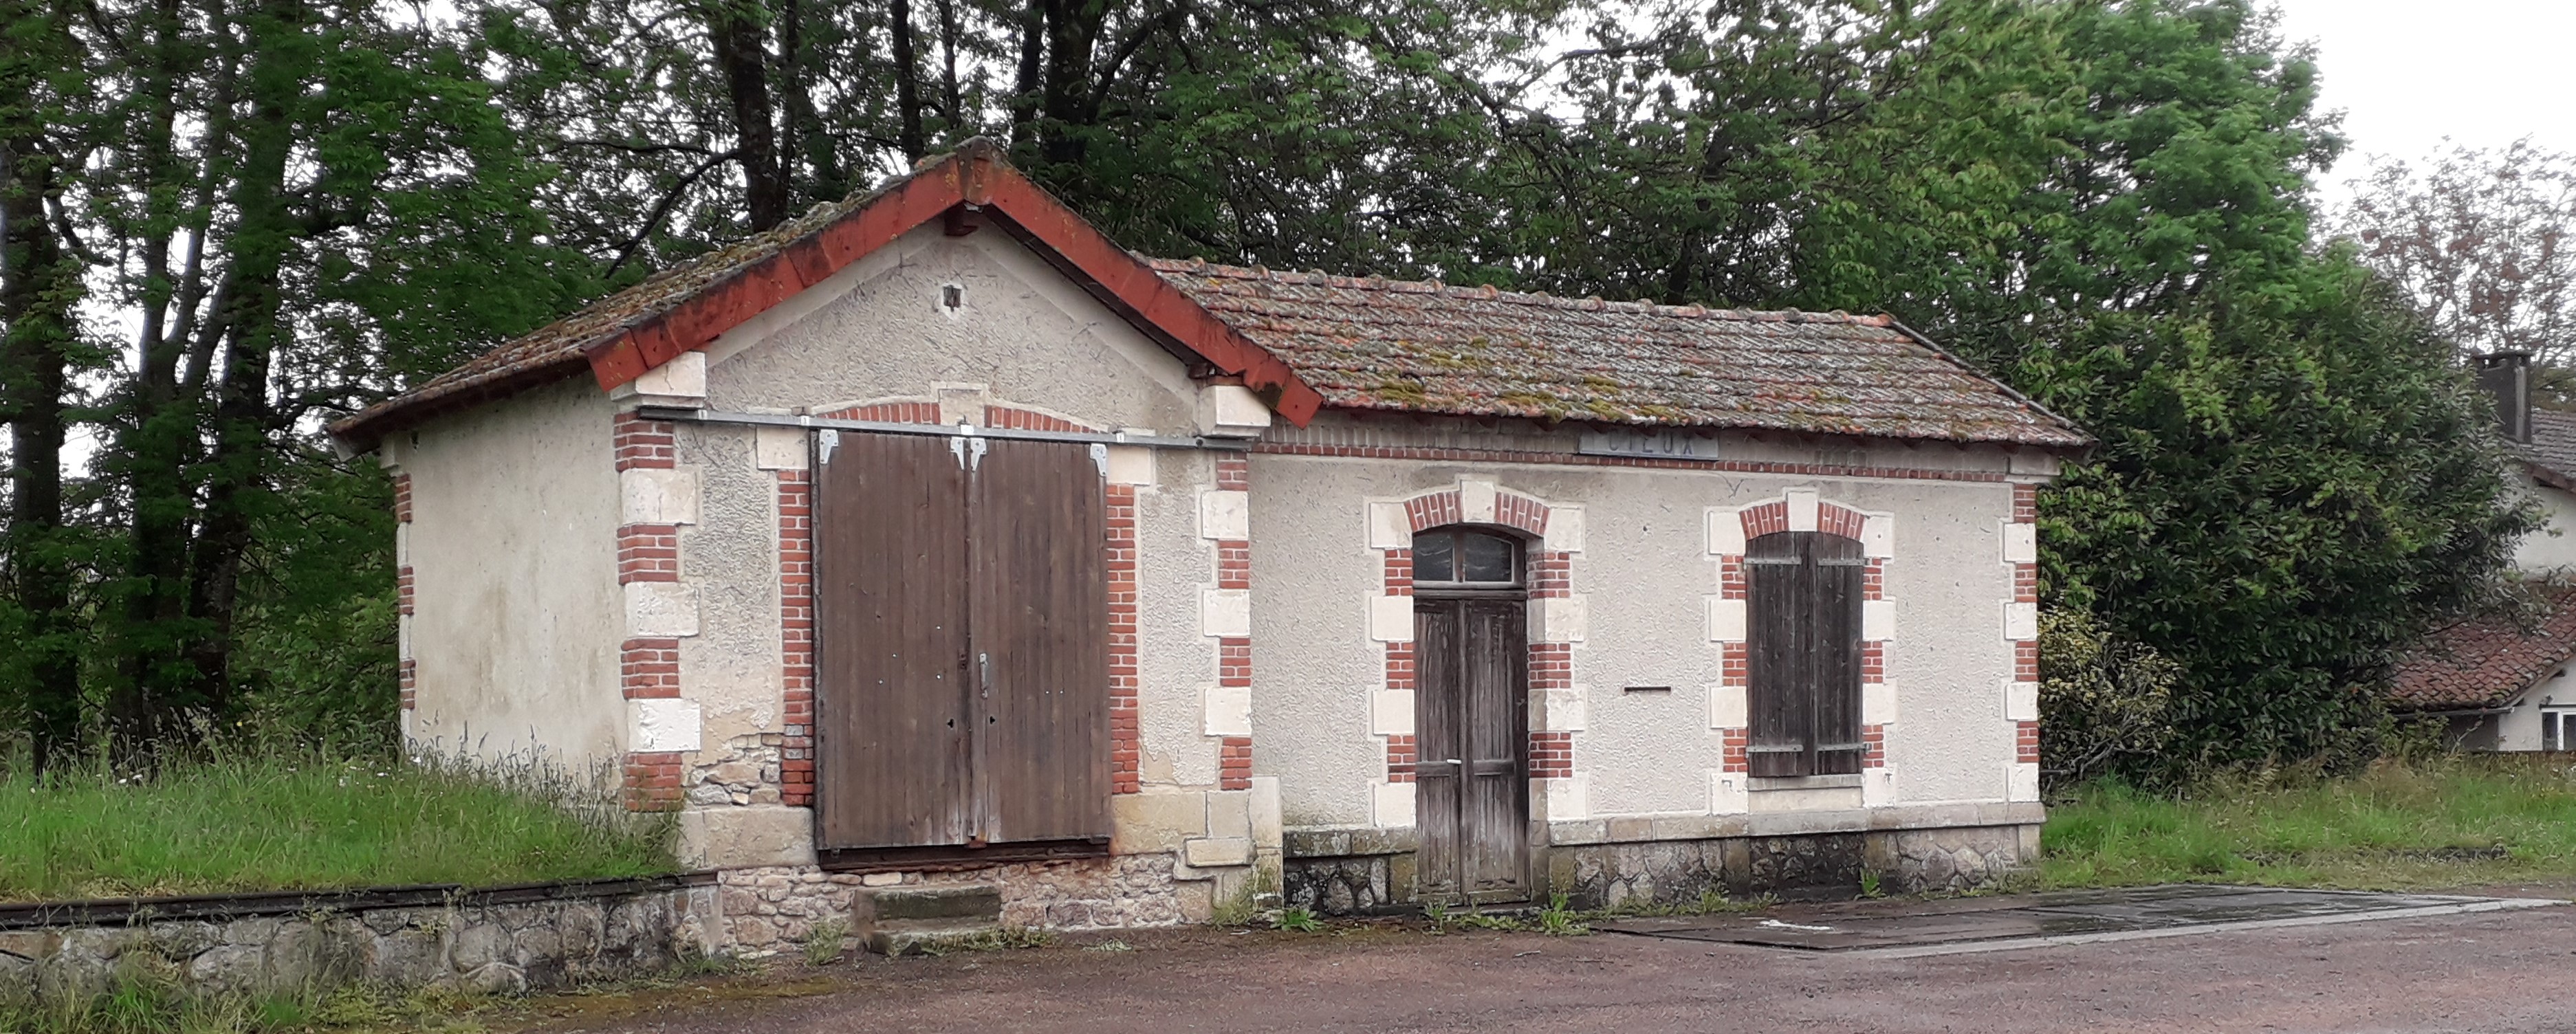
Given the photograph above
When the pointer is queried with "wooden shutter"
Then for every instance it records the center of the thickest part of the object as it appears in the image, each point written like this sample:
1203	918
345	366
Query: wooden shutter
1803	602
1041	642
1833	615
890	625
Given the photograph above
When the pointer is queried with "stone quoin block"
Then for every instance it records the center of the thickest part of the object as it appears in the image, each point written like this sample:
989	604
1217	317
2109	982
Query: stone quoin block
1225	612
2021	543
1389	526
1225	515
1878	620
1564	530
2021	701
1391	619
1391	712
1561	619
1229	710
1878	537
1802	509
684	377
667	609
1725	531
781	448
1727	708
2021	620
1563	710
1877	704
658	495
1568	798
665	724
2022	783
1729	793
1391	805
1131	465
1725	620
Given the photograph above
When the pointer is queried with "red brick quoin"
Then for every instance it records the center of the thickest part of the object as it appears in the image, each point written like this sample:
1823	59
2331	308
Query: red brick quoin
648	668
403	595
796	636
1234	653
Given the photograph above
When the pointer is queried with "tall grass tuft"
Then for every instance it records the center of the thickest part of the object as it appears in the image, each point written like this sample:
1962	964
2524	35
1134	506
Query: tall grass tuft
311	818
2399	823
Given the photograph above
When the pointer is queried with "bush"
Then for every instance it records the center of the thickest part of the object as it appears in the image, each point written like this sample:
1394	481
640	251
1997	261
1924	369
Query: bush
2105	704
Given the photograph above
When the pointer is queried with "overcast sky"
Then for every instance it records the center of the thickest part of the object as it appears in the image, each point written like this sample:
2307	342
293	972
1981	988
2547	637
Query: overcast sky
2407	73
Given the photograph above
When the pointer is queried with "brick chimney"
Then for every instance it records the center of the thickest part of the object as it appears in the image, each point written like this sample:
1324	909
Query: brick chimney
2506	376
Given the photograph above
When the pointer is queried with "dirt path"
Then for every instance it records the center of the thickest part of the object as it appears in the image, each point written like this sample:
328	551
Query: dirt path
2493	971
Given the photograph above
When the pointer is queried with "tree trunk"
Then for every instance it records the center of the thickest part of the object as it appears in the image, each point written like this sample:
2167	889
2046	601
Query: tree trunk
1024	84
38	285
1072	33
907	83
739	42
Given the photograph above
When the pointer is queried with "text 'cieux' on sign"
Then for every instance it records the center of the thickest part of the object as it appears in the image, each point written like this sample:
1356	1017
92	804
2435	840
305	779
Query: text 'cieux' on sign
1672	444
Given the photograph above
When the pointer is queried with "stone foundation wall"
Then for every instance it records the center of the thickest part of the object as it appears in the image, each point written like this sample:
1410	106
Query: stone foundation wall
1681	871
766	908
497	948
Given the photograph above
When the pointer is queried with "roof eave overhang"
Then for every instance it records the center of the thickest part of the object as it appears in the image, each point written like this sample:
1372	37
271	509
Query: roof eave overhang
974	175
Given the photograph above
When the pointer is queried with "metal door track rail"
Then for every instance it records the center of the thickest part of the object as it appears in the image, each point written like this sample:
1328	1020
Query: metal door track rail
687	415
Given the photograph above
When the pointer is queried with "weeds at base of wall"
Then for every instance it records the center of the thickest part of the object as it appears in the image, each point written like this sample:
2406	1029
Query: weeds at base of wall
1008	938
141	1003
824	943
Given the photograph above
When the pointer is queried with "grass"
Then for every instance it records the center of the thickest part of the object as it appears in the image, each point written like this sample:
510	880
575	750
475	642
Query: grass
2429	823
299	820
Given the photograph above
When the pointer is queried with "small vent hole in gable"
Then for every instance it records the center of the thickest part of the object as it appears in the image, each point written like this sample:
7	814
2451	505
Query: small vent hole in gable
952	297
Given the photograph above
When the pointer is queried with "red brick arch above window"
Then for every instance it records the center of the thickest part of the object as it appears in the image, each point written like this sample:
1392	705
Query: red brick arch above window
1511	510
1831	519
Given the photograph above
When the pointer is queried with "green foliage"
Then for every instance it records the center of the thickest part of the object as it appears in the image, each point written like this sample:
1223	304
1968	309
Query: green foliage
824	942
2421	823
1558	919
1296	920
283	819
2105	704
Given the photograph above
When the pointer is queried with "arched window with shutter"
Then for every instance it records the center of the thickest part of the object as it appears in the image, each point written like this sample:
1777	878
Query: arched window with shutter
1804	644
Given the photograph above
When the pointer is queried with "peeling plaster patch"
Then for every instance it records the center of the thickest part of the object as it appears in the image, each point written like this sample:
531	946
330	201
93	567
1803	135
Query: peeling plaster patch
1389	527
1225	612
1725	531
1564	529
1391	712
2023	784
2021	621
1727	707
2021	701
663	724
1475	501
1391	619
1726	620
779	448
661	609
1131	465
1802	509
1229	711
1390	805
1878	620
2021	543
658	495
1225	515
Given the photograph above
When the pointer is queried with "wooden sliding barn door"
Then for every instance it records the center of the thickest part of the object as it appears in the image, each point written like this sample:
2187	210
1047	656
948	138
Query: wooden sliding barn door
961	634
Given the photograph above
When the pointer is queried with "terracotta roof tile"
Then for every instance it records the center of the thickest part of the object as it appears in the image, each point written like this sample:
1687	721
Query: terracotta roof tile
1368	343
2485	661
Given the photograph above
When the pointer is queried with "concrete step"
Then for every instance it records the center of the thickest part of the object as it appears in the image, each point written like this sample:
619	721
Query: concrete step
965	901
920	936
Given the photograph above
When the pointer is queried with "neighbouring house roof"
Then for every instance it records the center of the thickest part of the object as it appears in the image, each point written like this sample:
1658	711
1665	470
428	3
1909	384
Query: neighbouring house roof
1368	343
2486	661
2550	456
1306	339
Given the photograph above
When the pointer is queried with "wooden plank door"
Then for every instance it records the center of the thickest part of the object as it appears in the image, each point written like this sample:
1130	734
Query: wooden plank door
890	622
1471	787
1040	641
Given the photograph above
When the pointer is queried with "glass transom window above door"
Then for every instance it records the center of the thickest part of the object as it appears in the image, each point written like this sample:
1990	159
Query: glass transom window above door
1465	557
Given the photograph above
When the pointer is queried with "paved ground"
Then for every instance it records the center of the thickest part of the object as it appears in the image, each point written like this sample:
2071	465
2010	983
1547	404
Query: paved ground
2506	971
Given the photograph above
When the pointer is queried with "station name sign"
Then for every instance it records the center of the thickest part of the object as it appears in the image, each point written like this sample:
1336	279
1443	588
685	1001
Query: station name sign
1655	443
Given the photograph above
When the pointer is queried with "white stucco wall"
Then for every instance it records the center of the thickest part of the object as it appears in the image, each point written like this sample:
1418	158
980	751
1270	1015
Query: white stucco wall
2519	728
2553	546
1644	575
513	548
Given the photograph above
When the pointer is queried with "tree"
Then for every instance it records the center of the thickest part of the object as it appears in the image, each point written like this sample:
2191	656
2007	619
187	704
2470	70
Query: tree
2484	243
